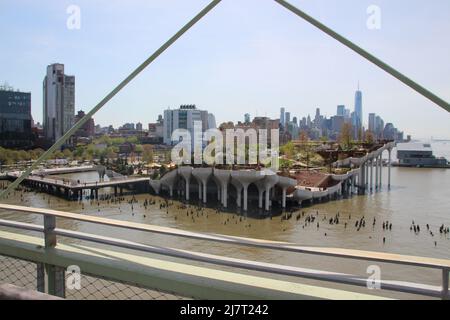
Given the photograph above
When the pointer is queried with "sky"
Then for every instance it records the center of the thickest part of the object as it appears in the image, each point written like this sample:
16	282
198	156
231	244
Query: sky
245	56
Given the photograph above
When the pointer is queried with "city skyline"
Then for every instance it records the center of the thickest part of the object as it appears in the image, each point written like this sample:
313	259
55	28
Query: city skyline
195	72
193	147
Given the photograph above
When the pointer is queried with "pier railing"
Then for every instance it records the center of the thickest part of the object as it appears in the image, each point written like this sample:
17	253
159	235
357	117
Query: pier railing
54	258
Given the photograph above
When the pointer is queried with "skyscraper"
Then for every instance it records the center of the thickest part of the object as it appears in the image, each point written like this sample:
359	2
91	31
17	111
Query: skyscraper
379	126
287	119
340	111
318	119
59	102
372	123
282	120
358	110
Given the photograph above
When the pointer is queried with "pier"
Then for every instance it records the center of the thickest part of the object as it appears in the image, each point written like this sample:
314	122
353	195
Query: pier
265	186
70	189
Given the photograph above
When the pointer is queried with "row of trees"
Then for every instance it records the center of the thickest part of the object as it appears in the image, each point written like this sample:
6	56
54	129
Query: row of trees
9	157
304	150
346	136
103	148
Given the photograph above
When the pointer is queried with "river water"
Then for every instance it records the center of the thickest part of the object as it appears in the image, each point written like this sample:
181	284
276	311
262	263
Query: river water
419	195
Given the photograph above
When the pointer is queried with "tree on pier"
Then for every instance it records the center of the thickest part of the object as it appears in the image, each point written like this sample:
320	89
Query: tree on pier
345	137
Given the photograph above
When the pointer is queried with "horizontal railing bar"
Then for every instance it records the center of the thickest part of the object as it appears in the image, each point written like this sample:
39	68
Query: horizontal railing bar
21	225
274	245
412	288
326	276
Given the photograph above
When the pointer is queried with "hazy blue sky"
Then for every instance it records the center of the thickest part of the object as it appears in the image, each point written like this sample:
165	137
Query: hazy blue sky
245	56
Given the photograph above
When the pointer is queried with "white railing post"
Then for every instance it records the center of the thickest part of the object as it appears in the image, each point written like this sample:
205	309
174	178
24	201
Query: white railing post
54	275
49	231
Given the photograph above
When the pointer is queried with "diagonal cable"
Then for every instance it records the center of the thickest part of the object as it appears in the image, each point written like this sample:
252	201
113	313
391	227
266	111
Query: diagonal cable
399	76
116	90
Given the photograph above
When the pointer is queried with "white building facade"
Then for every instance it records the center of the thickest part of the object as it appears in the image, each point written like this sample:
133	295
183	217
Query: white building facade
184	118
59	102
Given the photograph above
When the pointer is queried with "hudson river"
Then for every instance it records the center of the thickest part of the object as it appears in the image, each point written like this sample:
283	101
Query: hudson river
419	195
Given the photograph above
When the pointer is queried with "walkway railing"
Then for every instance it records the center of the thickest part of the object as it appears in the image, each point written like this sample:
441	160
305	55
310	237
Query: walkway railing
51	232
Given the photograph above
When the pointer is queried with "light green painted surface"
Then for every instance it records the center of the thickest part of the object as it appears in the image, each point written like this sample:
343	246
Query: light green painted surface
182	279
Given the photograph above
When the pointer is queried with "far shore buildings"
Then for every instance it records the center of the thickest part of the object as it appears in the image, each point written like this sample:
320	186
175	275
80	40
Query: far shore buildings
419	155
15	118
184	118
156	131
257	124
88	129
59	102
329	128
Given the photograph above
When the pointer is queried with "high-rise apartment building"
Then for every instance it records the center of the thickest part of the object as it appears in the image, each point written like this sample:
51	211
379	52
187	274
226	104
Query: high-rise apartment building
59	102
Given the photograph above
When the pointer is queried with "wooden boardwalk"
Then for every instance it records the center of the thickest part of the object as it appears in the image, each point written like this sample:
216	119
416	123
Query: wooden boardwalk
73	189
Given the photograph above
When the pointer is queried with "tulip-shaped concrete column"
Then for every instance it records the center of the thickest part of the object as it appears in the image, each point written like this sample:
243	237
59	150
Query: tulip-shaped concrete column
353	183
169	180
200	189
260	185
380	161
223	176
203	175
270	180
376	173
284	183
156	185
239	188
246	177
361	178
186	173
371	175
367	174
219	191
389	168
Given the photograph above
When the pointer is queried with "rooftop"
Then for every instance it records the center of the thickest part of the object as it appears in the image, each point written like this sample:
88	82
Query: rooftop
414	147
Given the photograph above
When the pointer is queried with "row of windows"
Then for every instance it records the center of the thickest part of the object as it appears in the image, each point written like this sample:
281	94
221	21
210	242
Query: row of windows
12	125
17	103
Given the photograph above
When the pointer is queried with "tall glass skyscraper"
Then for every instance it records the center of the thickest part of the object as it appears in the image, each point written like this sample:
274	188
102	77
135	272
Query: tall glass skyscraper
358	110
282	120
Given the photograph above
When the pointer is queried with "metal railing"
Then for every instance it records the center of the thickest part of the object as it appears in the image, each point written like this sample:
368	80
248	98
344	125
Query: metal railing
51	232
23	280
